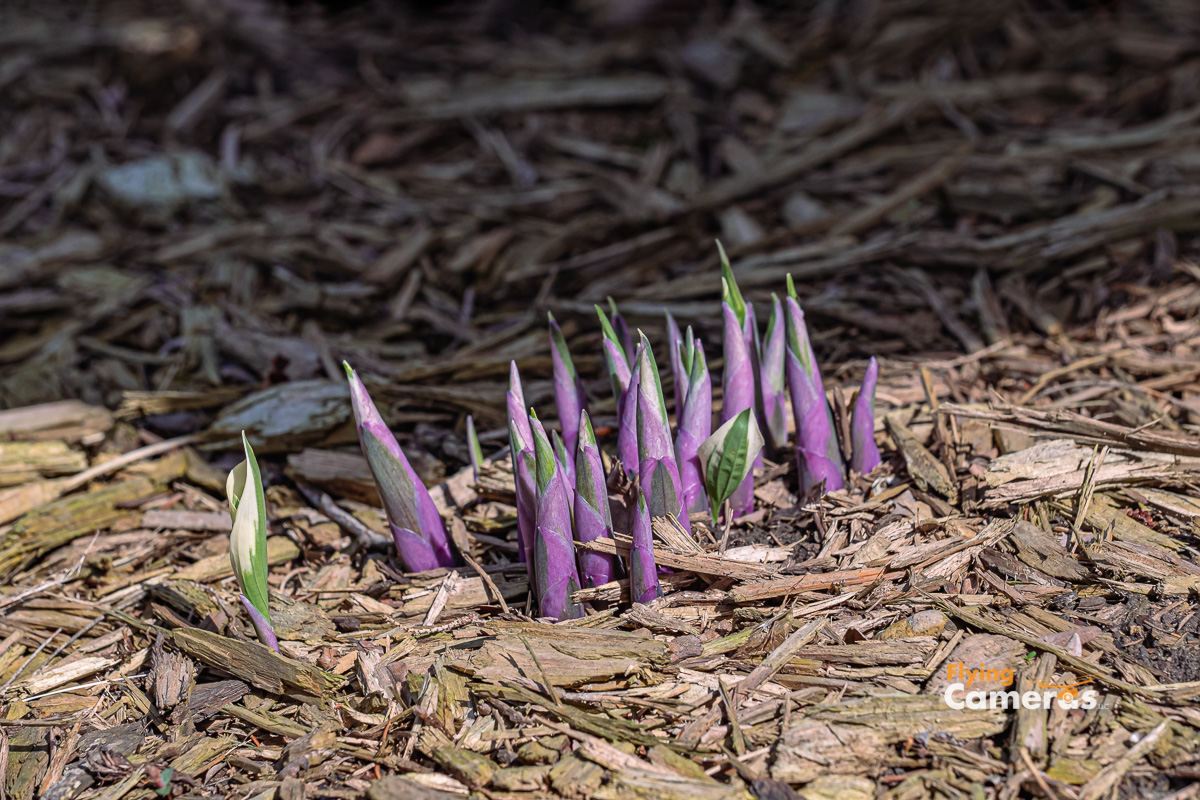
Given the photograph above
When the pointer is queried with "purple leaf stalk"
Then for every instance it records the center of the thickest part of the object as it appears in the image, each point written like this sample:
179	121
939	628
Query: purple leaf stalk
262	624
737	382
695	423
417	527
553	547
593	519
643	574
865	456
658	472
568	389
772	389
817	454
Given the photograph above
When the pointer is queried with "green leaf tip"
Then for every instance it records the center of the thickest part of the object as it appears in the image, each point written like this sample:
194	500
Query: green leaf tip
730	294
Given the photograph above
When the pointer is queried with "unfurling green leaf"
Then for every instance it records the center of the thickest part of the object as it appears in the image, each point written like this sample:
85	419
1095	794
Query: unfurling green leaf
728	456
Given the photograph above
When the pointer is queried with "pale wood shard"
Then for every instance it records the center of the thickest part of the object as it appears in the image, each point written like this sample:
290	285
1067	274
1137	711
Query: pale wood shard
254	663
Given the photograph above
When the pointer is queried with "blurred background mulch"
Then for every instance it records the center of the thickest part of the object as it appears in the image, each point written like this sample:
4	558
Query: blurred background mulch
202	200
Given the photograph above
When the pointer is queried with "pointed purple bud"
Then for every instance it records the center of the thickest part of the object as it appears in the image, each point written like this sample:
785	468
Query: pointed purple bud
772	389
553	545
695	425
593	519
627	438
674	341
658	472
417	527
568	389
865	456
643	574
518	412
262	626
817	454
614	358
622	331
738	390
526	494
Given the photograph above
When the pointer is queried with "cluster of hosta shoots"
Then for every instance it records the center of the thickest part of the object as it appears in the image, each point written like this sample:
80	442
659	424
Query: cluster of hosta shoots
761	373
560	483
248	542
562	493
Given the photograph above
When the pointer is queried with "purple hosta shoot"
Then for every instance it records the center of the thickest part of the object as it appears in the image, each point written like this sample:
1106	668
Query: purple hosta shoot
615	358
417	527
553	547
865	456
622	330
737	383
627	436
523	470
643	574
817	454
658	472
568	389
474	448
771	383
674	341
518	412
732	295
727	458
248	542
593	519
695	423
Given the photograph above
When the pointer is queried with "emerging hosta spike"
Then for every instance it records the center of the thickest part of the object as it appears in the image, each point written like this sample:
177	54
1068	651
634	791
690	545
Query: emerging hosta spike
614	358
865	456
523	469
417	527
658	471
817	453
593	520
695	423
248	542
473	446
675	340
627	437
772	389
553	545
731	295
518	412
738	389
728	458
568	389
622	330
643	574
